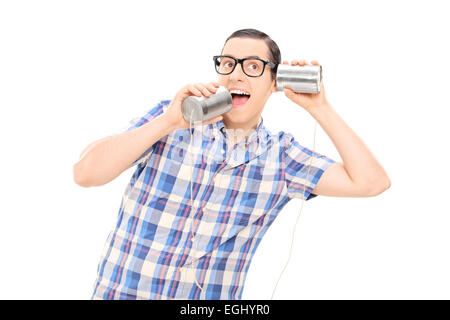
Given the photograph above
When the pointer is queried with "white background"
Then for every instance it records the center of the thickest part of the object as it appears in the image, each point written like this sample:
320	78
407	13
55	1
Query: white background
72	72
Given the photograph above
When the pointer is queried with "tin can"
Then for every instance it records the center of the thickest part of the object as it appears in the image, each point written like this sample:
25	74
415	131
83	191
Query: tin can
306	79
204	108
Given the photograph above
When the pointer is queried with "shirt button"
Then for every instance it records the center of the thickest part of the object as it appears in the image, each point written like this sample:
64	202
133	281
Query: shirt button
223	151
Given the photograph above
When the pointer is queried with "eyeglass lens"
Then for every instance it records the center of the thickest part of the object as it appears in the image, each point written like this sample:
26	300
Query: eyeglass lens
252	67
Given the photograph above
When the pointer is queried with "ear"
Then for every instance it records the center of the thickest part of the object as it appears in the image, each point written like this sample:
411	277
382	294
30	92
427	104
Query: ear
274	86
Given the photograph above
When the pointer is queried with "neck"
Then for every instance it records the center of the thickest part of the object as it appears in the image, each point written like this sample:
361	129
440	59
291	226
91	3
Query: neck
237	132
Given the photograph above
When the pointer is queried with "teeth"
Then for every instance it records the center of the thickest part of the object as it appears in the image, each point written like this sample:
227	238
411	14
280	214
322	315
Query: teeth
239	92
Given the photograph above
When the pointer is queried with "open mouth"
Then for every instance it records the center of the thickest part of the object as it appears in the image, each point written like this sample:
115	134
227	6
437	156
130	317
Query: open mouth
239	98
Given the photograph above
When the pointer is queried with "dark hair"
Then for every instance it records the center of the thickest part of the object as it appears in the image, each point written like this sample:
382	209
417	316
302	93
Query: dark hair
274	51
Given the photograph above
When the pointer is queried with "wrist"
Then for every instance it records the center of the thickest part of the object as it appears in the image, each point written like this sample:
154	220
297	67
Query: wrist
170	126
319	110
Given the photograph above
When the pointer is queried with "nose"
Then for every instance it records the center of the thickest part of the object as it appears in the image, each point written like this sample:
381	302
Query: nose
238	73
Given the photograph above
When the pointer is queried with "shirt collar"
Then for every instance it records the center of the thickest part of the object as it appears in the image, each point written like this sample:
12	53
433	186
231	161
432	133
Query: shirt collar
251	147
260	129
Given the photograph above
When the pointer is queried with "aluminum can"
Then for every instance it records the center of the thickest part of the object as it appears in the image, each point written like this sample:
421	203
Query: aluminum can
204	108
306	79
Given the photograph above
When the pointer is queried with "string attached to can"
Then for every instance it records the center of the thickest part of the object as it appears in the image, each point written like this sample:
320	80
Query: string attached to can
298	216
191	204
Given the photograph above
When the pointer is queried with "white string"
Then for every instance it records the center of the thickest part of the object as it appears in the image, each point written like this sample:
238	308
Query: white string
192	180
296	221
298	216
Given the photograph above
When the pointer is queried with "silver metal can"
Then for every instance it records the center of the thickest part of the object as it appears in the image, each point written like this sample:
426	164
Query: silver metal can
204	109
306	79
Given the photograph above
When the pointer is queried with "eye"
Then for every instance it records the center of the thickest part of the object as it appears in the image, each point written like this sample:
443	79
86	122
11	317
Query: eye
226	63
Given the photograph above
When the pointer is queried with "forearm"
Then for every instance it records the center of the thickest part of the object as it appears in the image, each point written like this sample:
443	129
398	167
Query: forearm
360	164
106	159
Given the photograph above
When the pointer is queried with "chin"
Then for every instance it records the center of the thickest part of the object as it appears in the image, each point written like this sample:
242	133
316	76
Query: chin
238	121
236	117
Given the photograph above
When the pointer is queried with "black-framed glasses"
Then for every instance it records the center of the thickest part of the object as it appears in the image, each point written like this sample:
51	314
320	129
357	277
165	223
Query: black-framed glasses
252	66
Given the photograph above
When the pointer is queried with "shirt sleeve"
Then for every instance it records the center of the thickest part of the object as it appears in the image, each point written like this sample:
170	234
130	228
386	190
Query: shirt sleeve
140	120
301	176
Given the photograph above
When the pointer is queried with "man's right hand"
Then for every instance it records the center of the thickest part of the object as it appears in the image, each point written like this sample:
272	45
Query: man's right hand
173	114
106	158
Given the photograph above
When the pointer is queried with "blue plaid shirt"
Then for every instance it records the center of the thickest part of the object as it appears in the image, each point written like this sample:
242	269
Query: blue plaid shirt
164	247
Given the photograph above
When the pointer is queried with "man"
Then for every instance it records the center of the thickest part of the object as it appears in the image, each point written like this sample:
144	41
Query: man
189	230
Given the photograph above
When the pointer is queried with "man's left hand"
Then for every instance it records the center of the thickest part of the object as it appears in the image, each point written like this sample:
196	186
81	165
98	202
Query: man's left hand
308	101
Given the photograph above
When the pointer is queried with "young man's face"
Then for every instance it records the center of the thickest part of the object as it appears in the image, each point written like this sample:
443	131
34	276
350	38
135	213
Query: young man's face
247	115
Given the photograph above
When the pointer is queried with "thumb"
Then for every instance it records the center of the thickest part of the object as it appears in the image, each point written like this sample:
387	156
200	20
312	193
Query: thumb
288	92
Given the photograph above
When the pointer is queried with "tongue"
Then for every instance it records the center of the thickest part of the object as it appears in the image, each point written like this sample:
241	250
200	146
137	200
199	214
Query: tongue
239	100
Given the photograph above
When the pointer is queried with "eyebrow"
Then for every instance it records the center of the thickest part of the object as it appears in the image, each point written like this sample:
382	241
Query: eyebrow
249	57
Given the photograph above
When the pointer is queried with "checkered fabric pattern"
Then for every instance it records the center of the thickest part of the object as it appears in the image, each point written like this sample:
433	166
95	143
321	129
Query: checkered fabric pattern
163	244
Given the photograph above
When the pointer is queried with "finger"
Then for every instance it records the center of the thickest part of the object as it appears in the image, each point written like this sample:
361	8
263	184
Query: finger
294	62
191	88
302	62
216	84
211	87
288	92
315	62
285	62
289	88
205	89
201	87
